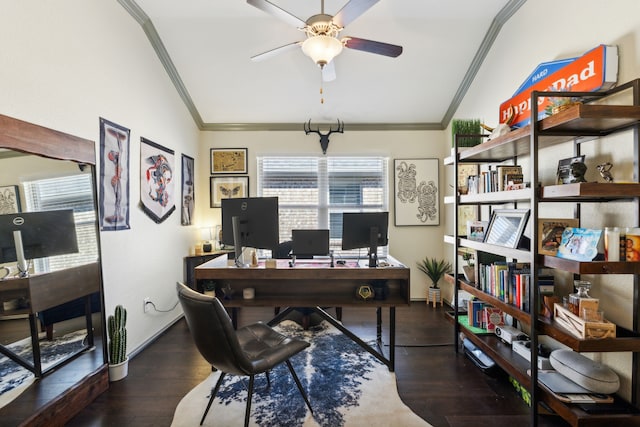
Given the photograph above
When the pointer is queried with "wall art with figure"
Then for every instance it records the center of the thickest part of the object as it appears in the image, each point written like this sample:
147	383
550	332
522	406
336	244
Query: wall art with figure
416	192
157	194
114	176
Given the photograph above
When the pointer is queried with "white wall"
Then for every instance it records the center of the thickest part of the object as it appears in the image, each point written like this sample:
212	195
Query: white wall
64	64
407	244
541	31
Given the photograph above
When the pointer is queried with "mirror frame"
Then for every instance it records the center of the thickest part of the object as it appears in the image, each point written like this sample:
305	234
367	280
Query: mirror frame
33	139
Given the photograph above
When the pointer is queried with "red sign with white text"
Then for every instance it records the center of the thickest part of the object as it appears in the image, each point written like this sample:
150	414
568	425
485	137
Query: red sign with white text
593	71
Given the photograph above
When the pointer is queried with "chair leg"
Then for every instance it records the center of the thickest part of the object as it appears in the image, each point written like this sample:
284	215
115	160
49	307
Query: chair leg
302	392
247	413
214	391
268	379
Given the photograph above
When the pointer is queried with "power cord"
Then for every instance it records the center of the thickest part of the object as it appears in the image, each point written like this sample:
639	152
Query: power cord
162	311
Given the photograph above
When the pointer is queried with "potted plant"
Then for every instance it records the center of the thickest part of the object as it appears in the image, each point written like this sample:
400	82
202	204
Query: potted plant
117	349
471	128
435	270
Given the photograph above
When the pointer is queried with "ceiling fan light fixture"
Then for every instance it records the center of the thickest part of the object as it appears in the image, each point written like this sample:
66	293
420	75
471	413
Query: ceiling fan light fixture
322	49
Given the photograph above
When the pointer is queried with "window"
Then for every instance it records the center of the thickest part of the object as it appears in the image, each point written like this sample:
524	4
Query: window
313	192
66	192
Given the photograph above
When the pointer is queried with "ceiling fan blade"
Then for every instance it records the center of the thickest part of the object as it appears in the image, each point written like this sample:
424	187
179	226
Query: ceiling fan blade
351	11
371	46
279	13
276	51
329	72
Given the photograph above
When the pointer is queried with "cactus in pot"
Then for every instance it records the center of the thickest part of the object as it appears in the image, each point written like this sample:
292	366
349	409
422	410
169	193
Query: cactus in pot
117	335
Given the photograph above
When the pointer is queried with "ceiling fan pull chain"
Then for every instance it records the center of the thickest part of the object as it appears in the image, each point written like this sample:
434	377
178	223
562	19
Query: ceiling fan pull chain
321	90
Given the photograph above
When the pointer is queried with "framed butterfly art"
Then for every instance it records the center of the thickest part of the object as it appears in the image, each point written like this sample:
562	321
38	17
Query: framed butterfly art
228	187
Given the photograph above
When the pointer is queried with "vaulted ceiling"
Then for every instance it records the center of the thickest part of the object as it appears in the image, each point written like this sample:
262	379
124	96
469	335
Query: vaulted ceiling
206	46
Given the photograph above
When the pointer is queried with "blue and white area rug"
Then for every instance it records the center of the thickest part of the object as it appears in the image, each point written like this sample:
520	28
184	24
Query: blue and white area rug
14	379
346	386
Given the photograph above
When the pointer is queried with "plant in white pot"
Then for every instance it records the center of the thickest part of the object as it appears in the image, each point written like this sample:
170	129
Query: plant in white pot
117	332
435	270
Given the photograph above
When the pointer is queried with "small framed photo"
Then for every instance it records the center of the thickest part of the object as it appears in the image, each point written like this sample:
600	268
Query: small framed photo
227	187
9	199
506	227
550	233
564	173
476	230
228	161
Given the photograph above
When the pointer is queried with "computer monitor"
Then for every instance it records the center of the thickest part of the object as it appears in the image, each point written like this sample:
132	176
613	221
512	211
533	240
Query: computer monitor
250	222
309	243
365	230
32	235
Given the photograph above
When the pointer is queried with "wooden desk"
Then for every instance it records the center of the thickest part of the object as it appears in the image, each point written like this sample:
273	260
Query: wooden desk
48	290
315	284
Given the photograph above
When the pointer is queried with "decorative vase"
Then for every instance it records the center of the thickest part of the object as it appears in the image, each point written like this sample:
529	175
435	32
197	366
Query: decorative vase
119	370
434	296
469	273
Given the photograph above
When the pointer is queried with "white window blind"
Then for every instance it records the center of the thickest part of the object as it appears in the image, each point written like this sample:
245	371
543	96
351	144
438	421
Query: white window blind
313	192
66	192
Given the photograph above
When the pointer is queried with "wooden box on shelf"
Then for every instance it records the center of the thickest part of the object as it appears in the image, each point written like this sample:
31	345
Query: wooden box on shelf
581	328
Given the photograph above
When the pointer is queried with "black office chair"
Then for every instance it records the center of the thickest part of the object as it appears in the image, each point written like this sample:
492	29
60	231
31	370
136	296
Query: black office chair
251	350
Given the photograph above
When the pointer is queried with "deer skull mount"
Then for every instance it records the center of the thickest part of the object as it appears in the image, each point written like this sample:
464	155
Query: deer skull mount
324	138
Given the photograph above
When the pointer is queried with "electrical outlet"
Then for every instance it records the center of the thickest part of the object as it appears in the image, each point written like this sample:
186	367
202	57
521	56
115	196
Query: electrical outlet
146	303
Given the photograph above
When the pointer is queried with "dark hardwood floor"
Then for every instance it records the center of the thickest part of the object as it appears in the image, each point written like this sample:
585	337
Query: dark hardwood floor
441	386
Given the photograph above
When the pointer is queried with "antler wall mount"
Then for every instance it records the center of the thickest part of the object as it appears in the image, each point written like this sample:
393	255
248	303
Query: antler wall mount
324	138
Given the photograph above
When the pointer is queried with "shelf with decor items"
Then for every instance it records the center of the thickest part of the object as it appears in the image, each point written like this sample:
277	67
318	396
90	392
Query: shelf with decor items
579	124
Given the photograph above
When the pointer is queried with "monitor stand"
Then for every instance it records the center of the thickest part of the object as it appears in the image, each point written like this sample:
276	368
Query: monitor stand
237	242
23	265
373	247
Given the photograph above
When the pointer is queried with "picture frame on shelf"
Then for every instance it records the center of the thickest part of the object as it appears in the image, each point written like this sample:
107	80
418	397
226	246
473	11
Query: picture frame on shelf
228	161
227	187
564	173
466	213
506	227
579	244
476	230
550	233
465	170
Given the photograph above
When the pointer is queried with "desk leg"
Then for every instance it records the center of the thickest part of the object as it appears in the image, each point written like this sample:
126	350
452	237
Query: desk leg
392	338
89	321
35	346
379	325
377	354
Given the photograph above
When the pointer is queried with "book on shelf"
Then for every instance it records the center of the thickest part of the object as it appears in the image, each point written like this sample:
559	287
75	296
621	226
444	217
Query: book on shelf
503	171
492	317
475	313
513	181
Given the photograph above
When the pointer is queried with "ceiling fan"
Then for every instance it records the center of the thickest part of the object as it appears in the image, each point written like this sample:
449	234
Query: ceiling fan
322	44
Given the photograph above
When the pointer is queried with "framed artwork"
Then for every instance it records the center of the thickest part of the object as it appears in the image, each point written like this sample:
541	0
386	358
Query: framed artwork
188	191
114	176
550	233
157	195
565	173
228	161
506	227
465	170
581	244
416	192
227	187
466	213
9	199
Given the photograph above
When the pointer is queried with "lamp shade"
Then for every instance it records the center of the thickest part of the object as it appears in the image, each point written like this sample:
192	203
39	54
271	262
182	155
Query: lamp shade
322	49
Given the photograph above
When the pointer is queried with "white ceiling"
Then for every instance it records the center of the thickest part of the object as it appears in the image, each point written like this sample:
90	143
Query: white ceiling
206	47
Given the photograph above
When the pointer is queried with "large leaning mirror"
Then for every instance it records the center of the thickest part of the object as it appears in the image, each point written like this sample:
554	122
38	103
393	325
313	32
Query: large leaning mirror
51	306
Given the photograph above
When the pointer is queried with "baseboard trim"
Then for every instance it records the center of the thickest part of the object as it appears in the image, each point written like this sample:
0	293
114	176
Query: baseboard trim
154	337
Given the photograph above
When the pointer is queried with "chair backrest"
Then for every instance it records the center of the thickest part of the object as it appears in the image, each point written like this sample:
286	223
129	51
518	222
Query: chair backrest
213	331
